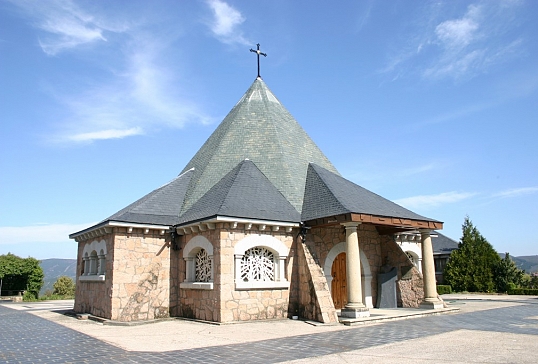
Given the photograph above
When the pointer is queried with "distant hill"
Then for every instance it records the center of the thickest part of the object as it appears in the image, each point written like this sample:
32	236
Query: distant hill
55	268
528	263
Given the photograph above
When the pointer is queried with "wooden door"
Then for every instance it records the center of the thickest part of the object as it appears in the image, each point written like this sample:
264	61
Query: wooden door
339	283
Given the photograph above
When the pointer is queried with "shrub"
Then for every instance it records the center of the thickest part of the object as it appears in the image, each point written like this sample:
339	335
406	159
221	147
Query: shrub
64	286
524	291
29	296
444	289
53	296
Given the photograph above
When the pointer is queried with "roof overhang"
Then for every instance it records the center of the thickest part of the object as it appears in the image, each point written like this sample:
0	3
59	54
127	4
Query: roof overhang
384	224
106	228
250	224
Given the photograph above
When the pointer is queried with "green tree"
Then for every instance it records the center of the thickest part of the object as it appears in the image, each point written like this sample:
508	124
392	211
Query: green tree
471	266
530	281
506	274
64	286
18	274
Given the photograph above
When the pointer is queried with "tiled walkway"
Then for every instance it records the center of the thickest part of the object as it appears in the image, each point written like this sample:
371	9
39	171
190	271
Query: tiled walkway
26	338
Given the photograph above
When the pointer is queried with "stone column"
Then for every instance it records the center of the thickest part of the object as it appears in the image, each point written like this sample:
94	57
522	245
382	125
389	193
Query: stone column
428	272
354	308
102	262
190	269
86	262
238	259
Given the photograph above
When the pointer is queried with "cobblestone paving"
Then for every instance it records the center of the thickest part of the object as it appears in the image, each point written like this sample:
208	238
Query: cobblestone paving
25	338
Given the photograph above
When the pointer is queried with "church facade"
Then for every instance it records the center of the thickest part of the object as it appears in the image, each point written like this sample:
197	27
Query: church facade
258	225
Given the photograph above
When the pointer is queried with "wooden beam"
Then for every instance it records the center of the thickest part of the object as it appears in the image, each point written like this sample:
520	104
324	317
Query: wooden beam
400	224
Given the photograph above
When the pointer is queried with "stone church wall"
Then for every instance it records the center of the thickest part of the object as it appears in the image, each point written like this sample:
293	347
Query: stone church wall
141	276
380	250
410	286
311	297
93	297
323	239
225	303
200	304
253	304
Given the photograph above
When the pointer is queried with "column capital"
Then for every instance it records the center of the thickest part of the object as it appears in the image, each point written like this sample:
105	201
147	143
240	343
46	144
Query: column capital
425	231
350	224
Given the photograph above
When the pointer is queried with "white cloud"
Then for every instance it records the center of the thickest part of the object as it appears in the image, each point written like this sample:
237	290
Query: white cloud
65	25
458	33
143	96
428	201
458	47
516	192
132	88
47	233
225	23
105	134
411	171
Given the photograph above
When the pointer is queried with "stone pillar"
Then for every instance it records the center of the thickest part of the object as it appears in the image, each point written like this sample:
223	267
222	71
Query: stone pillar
86	262
190	269
354	308
102	264
93	264
428	272
238	259
281	269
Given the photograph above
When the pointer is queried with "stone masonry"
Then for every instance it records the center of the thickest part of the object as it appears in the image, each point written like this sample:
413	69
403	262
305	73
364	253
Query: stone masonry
141	280
314	297
136	285
224	303
93	297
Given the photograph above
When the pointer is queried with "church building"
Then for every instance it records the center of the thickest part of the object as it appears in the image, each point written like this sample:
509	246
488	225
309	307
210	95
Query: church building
258	225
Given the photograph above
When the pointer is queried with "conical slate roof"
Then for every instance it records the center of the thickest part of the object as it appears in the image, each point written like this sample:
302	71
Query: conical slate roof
328	194
243	193
258	164
258	128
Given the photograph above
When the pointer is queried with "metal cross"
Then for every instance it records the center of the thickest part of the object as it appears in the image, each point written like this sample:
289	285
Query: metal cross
258	53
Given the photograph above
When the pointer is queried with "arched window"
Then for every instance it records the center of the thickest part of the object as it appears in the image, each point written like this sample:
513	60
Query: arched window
94	264
260	263
203	266
198	255
413	258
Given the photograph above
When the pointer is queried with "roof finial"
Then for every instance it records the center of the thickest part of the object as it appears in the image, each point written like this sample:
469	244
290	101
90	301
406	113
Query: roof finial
258	53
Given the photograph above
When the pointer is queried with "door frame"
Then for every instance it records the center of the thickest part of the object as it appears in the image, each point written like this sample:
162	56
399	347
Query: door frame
366	273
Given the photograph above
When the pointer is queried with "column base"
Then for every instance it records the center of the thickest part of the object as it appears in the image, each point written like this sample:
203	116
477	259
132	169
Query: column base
355	312
432	304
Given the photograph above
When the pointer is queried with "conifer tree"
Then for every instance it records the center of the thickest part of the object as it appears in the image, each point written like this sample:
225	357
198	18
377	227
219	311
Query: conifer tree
472	266
507	273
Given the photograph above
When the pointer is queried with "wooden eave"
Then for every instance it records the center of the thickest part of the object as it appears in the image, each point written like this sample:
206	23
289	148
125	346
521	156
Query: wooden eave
384	224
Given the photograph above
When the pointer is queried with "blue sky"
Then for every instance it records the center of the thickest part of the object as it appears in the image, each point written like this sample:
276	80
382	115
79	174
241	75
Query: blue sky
432	104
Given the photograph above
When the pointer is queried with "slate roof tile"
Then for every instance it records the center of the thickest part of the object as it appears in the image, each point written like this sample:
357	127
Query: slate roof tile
442	243
245	192
328	194
160	207
258	128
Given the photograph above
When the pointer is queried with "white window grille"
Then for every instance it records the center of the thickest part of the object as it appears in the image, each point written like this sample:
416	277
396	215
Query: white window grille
198	255
258	264
203	266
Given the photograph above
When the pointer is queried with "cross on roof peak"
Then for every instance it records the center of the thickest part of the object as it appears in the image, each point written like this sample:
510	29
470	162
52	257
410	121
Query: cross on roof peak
258	53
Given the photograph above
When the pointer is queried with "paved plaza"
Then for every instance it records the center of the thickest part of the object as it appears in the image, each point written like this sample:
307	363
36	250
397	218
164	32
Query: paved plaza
486	329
